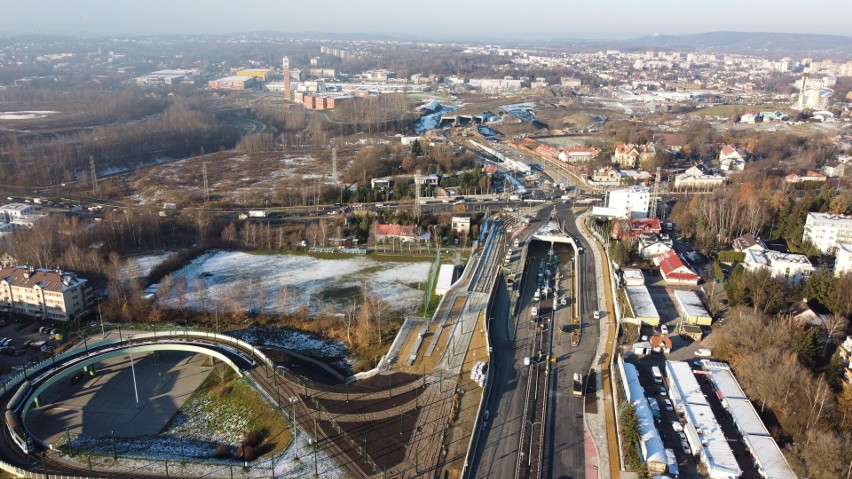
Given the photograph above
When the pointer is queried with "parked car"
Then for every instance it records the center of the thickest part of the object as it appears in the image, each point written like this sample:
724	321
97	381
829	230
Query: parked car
702	352
664	329
663	392
667	403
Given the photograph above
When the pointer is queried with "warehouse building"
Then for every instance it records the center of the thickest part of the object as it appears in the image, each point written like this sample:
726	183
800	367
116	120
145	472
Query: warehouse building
642	305
651	445
232	83
691	308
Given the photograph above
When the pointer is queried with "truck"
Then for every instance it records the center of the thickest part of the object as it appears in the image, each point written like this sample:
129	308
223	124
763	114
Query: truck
169	206
578	384
257	214
658	377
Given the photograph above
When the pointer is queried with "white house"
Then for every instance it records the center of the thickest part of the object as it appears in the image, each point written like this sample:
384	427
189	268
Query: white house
652	245
843	262
748	242
794	267
826	231
731	159
694	178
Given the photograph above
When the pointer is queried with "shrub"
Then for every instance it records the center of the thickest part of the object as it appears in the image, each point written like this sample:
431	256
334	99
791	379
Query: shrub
253	438
223	450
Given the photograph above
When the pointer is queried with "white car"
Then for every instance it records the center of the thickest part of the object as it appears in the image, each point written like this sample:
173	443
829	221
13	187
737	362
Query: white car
702	352
596	315
664	329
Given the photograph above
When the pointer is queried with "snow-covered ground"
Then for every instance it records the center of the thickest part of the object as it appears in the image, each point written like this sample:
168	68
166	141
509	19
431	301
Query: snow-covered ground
287	282
153	452
24	115
330	351
431	121
140	266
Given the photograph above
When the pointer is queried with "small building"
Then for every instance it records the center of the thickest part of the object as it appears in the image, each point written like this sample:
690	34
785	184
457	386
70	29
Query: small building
691	308
653	245
636	227
750	116
675	271
691	331
633	277
642	305
748	242
461	225
810	176
630	155
661	344
833	169
446	277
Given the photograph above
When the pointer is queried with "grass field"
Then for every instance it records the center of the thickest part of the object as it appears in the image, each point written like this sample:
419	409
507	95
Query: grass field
226	408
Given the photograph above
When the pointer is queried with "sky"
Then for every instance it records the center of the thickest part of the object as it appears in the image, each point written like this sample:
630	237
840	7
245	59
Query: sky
427	19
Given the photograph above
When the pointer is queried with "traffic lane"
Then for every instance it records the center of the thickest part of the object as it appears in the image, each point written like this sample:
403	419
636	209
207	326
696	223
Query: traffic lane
506	404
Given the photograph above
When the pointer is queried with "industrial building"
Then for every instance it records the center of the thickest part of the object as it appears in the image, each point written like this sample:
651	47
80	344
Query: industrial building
691	308
262	74
702	430
43	293
232	83
642	305
325	102
765	453
651	445
167	78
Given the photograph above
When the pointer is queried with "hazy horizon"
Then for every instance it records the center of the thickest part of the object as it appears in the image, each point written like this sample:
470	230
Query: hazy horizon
438	20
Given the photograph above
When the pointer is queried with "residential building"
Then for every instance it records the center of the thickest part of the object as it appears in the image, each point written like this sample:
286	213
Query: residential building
630	155
400	232
461	225
809	176
671	141
634	227
578	154
653	245
827	231
606	176
695	179
675	271
793	267
845	351
748	242
43	293
843	259
833	169
731	159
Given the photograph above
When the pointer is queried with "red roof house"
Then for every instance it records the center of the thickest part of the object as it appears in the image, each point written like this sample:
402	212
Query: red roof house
674	271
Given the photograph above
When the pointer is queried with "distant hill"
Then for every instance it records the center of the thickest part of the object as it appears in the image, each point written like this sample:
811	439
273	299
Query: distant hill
796	45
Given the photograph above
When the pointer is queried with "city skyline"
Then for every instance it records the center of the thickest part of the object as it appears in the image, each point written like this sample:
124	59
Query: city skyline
440	20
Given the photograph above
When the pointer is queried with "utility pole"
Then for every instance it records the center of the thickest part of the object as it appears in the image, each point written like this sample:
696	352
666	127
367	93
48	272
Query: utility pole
417	195
94	174
206	185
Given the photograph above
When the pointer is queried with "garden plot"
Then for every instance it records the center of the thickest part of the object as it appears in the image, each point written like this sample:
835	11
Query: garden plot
285	283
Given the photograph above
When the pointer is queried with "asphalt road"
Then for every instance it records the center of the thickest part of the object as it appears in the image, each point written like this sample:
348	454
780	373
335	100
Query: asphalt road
564	454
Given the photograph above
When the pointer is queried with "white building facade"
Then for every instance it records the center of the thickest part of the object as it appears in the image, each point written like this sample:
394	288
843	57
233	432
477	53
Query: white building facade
630	202
826	231
843	262
793	267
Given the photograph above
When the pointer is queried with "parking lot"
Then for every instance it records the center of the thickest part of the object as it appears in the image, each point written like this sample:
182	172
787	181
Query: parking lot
669	421
24	343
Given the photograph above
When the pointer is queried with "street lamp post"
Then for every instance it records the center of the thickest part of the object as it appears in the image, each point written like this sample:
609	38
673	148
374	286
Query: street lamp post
133	371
